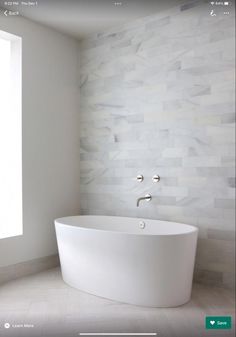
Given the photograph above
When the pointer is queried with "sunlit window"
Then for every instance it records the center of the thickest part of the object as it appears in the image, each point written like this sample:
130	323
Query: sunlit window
11	223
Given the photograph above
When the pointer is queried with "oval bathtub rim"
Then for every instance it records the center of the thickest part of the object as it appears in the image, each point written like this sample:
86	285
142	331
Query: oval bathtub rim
58	222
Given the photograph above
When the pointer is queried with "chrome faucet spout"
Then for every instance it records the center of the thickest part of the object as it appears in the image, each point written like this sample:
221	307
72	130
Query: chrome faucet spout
147	197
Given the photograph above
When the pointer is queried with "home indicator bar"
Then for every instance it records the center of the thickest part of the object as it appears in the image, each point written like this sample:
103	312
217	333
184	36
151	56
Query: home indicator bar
118	334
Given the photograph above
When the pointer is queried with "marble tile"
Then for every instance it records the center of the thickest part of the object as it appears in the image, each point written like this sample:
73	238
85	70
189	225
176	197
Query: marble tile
164	103
215	255
158	23
225	203
221	234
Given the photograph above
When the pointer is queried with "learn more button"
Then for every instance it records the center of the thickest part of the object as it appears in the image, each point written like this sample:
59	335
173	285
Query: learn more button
218	322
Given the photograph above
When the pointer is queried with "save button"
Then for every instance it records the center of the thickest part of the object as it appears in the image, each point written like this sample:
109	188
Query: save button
218	322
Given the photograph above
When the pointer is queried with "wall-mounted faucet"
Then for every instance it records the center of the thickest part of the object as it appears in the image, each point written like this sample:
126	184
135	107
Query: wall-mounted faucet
147	197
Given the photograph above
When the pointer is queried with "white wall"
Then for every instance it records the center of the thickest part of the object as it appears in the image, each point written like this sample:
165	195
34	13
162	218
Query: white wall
50	137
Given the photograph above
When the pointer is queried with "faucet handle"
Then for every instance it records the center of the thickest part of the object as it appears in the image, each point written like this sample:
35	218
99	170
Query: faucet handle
140	178
156	178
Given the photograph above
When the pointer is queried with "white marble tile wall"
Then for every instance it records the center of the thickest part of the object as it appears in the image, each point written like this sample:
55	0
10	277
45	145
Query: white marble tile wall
157	97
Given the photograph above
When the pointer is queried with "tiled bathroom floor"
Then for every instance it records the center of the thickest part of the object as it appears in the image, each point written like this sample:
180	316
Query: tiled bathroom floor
58	310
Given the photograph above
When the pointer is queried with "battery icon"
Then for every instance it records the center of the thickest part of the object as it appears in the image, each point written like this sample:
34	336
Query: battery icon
226	3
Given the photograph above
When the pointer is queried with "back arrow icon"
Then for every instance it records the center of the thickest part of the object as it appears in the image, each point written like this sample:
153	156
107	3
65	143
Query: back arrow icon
5	13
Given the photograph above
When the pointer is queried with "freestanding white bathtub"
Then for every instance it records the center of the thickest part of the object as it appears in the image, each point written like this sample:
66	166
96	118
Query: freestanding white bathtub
113	257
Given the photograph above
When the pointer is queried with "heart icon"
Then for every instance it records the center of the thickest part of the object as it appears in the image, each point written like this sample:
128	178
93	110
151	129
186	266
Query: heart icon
212	322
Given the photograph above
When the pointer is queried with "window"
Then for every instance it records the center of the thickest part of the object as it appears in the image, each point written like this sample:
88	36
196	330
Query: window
11	223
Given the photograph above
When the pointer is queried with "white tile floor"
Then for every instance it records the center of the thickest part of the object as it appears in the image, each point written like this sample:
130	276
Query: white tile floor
57	310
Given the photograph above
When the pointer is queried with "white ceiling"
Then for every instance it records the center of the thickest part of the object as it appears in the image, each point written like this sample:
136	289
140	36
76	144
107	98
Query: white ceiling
80	18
